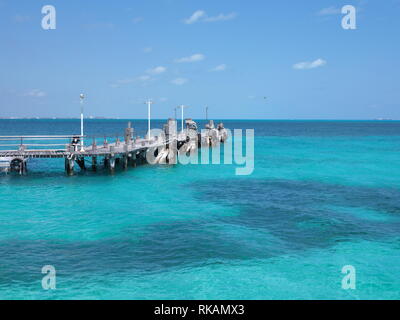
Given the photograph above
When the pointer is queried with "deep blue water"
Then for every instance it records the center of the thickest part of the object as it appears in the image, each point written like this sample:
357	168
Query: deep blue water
324	194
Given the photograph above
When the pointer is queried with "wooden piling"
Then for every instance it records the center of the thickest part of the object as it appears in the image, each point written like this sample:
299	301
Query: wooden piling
81	163
133	159
69	166
106	162
24	166
112	165
125	161
94	163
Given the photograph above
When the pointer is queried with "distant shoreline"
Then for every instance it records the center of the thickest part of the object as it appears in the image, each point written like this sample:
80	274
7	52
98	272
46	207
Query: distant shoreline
162	119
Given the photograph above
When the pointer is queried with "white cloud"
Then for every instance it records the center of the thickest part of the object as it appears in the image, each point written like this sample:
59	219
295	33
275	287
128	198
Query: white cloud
221	67
309	65
196	16
221	17
35	93
147	49
143	78
201	15
193	58
329	11
179	81
157	70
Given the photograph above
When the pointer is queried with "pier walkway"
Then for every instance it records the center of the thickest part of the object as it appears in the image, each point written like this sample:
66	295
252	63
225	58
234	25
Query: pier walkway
15	151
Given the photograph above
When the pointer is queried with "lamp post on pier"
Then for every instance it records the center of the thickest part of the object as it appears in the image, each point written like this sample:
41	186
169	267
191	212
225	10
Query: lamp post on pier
82	96
182	107
149	103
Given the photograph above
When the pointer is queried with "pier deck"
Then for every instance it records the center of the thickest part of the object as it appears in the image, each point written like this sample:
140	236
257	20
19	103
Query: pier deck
15	151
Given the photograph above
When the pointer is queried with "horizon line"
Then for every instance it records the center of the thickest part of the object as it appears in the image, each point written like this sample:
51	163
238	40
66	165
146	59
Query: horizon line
201	119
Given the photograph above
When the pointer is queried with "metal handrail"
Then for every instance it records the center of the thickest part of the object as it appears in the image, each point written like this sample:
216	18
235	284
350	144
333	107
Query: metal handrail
42	137
34	141
20	142
35	145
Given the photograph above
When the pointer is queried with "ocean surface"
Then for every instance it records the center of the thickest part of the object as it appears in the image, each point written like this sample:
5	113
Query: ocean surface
323	195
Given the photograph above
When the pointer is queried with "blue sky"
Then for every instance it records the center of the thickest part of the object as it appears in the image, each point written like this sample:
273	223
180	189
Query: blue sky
244	59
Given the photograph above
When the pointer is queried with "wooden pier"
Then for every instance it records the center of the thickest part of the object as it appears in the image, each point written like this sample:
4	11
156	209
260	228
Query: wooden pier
131	151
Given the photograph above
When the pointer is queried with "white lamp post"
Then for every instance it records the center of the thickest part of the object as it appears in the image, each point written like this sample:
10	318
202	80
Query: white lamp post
82	96
149	103
182	107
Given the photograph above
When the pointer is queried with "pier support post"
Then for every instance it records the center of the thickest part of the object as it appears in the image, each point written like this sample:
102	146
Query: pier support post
81	163
106	163
69	166
111	165
22	167
125	161
139	158
133	159
25	166
94	163
144	156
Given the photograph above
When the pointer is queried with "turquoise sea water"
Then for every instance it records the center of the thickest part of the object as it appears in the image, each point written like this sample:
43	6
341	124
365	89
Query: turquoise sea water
324	194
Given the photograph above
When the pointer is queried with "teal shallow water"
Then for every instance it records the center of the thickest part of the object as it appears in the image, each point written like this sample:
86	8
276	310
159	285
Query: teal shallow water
323	195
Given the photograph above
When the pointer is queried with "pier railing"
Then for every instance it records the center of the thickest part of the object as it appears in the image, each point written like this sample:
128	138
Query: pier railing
68	143
35	142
